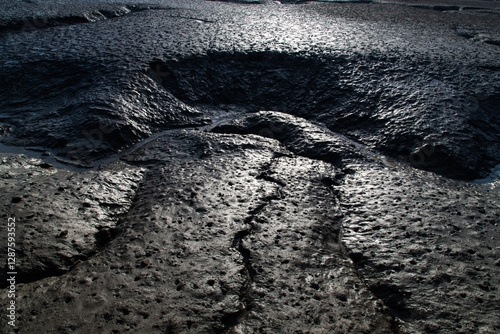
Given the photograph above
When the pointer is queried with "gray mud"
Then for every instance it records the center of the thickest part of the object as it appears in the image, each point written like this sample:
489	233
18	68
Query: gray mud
428	247
436	108
251	166
66	216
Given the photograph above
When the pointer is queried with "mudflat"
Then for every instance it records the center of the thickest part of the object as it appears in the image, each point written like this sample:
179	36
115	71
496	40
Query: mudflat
250	166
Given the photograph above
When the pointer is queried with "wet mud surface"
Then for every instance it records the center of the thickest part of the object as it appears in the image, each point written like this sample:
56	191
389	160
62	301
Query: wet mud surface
437	108
66	216
251	166
428	247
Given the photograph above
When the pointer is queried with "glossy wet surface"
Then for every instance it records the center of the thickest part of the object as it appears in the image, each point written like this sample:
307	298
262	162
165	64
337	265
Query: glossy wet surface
201	166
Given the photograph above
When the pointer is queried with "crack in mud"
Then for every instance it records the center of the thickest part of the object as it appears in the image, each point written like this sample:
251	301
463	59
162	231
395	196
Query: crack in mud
245	293
231	320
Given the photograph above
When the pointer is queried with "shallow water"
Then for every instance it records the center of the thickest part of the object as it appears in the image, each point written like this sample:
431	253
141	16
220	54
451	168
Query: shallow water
492	178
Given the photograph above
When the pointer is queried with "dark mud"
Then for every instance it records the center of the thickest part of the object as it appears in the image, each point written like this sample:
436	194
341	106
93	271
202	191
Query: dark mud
114	109
296	134
270	168
85	111
434	113
347	95
52	238
72	15
421	245
227	233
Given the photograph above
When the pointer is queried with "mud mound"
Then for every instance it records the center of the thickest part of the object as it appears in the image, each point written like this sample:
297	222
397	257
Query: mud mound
383	102
85	110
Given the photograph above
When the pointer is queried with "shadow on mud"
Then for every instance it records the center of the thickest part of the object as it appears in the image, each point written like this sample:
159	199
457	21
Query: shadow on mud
350	97
88	110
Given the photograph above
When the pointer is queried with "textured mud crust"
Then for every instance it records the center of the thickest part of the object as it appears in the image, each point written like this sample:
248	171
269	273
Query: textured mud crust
426	246
63	217
227	233
218	167
71	15
346	93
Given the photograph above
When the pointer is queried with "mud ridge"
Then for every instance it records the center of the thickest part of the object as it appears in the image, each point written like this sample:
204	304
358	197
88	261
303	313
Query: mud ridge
43	22
329	90
298	135
64	220
103	237
333	185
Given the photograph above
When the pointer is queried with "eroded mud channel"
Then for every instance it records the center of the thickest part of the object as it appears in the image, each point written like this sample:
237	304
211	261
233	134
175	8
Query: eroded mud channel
216	180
